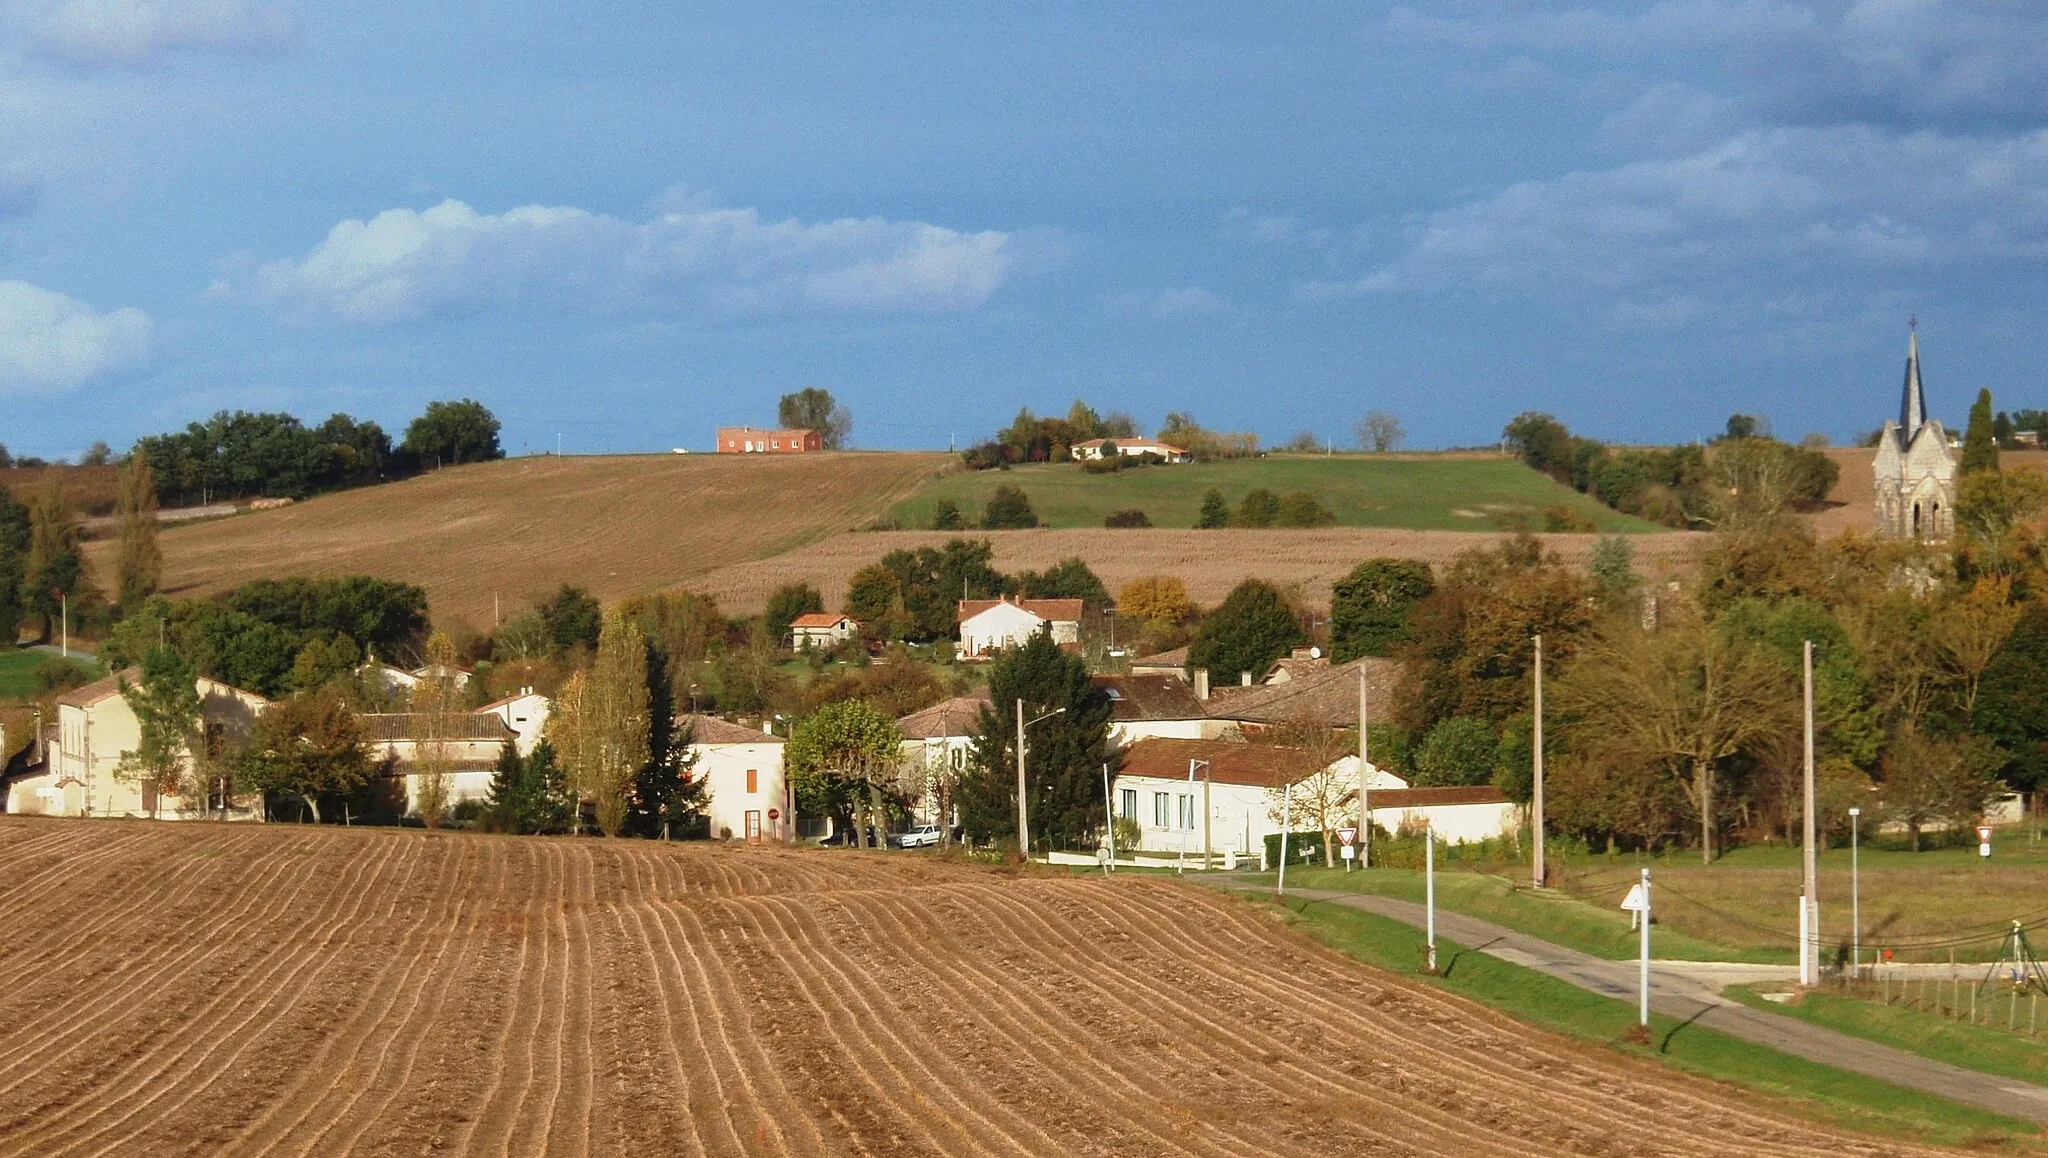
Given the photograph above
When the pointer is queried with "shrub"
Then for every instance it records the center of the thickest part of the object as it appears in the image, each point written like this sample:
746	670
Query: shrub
947	517
1300	509
1008	510
59	675
1215	512
1257	509
1563	518
1127	518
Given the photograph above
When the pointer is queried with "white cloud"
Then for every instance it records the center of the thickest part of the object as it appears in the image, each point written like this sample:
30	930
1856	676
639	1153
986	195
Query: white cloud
137	33
49	341
450	259
1790	201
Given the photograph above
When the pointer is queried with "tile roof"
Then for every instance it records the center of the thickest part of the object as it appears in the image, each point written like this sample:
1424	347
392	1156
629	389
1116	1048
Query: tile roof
511	699
1314	691
1151	697
712	730
1177	658
86	695
1431	797
399	727
818	619
1055	610
959	716
1230	761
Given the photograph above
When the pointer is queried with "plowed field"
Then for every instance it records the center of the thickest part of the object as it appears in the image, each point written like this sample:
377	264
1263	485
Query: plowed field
285	991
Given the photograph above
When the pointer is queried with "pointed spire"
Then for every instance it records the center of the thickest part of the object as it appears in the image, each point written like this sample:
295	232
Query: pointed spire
1913	407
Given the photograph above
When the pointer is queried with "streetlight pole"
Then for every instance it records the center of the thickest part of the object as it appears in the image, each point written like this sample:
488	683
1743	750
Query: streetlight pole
1023	821
1109	822
1809	898
1364	775
1536	797
1855	898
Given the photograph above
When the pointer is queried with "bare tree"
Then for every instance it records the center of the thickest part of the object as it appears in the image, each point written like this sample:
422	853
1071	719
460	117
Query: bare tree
1307	750
1687	695
1379	431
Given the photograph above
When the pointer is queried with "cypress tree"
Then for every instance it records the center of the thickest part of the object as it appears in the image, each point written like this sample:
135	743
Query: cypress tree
141	565
1980	447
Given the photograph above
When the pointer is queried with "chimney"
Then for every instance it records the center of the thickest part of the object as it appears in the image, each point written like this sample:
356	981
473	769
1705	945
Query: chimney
1244	679
1201	683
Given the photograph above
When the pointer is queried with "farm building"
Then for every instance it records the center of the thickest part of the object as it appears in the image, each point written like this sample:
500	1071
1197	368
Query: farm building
1096	449
526	714
471	743
741	770
398	681
1145	707
990	625
95	727
937	743
749	440
822	630
1457	814
1162	787
1304	690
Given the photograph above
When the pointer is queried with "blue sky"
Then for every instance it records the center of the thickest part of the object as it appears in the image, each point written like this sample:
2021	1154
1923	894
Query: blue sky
629	227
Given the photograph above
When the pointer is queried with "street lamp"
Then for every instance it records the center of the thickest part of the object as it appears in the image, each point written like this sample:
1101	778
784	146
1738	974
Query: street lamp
1023	826
1855	900
1181	865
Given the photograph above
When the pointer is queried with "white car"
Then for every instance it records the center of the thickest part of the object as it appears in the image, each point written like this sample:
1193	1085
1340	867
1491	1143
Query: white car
923	836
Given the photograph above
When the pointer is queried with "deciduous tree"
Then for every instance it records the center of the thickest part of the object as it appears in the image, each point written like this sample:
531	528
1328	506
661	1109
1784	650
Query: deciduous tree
140	563
1008	509
812	408
1369	607
1930	780
166	706
1380	432
787	602
309	746
842	758
600	722
449	433
1255	626
438	723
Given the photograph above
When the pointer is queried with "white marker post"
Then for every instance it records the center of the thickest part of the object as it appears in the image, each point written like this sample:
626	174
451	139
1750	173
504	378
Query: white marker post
1286	824
1638	903
1429	886
1109	825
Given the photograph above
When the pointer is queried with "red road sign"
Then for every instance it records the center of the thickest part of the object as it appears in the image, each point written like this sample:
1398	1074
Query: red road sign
775	814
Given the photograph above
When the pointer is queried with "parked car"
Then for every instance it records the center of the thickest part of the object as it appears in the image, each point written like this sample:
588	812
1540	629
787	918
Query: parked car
923	836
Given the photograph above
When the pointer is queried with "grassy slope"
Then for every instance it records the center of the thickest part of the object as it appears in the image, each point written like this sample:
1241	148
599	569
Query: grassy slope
1817	1092
18	672
1975	1047
1422	492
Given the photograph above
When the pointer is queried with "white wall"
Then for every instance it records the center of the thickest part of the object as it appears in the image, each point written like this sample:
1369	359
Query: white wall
1004	625
1453	822
527	716
723	770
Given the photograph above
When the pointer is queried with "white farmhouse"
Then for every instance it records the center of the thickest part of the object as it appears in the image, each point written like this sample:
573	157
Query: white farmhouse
937	744
95	727
526	714
1096	449
741	770
471	748
1165	782
1154	706
822	630
990	625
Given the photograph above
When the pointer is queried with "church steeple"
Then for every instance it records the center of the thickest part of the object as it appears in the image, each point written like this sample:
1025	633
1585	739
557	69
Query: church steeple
1913	407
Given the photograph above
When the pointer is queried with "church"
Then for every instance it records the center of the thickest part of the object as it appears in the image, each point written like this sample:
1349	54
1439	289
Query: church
1916	471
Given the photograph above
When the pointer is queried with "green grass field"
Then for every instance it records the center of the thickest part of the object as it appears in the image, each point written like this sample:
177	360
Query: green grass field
1988	1048
1816	1092
1419	492
18	672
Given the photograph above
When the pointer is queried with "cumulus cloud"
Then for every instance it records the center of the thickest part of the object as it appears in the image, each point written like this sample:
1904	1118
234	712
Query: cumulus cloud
405	264
137	33
50	341
1791	200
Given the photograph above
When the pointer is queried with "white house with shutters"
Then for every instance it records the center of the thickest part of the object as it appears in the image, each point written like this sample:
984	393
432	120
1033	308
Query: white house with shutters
741	770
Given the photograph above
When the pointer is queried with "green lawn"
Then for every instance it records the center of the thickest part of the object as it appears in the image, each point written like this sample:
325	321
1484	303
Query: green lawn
1418	492
18	671
1816	1092
1975	1047
1553	916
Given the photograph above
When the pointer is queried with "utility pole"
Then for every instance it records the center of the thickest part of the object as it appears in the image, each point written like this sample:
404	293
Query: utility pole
1536	799
1109	822
1207	815
1286	826
1643	960
1429	886
1809	896
1023	829
1855	898
1364	776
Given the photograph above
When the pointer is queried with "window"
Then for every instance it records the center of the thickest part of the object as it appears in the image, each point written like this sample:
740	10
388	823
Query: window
1129	803
959	756
1159	806
1187	813
753	781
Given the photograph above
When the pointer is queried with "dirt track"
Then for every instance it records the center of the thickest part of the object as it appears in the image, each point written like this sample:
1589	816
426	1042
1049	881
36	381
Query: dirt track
199	989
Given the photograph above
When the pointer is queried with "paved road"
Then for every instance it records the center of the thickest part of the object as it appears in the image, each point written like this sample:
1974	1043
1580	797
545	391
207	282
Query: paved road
1690	991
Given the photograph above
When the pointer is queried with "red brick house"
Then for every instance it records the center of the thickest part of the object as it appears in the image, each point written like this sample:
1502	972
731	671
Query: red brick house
749	440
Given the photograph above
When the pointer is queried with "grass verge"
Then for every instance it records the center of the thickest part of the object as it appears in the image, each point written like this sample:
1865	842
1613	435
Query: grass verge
1931	1035
1550	915
1806	1089
18	671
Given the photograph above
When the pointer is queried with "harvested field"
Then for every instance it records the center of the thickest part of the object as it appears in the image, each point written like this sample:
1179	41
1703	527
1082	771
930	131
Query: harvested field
1210	562
522	527
274	990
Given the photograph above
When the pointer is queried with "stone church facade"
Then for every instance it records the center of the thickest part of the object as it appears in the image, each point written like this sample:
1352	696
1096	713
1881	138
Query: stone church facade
1916	471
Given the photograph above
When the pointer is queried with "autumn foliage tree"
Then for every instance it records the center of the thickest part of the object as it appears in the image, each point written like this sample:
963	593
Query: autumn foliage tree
600	722
140	564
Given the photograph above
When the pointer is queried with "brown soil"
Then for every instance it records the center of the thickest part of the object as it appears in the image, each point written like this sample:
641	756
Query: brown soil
1852	506
1209	562
521	528
277	990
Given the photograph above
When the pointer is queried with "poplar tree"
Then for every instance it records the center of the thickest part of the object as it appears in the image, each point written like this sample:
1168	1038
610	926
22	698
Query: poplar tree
601	722
55	567
141	564
438	721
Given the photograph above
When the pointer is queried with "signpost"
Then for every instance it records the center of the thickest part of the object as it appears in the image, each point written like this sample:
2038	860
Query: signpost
1984	840
1638	903
1349	837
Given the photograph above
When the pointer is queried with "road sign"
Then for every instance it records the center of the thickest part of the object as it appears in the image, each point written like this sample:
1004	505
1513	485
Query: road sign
1350	852
1102	854
775	814
1634	902
1347	835
1983	840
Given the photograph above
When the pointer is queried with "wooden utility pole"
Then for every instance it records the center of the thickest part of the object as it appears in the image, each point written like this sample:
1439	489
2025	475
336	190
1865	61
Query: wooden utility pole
1364	776
1208	814
1536	798
1809	895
